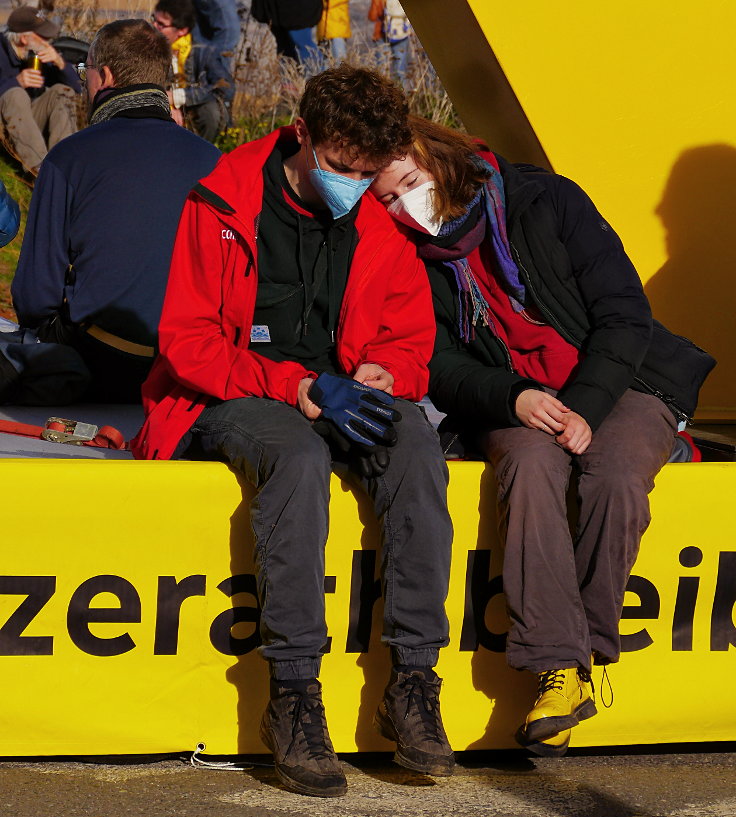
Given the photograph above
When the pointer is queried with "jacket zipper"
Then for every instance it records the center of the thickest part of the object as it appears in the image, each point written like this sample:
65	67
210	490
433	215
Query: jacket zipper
668	400
538	301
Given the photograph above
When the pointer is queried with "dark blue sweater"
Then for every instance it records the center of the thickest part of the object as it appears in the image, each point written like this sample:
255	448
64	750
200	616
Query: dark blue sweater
107	203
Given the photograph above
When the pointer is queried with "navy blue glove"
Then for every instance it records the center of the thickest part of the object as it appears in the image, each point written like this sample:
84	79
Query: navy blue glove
366	462
363	414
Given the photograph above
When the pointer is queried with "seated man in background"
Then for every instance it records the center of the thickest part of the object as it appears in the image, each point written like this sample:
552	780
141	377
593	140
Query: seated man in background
37	104
202	82
95	257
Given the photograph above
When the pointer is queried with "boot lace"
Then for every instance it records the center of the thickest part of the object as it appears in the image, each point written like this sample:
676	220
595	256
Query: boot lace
552	679
308	724
586	678
422	696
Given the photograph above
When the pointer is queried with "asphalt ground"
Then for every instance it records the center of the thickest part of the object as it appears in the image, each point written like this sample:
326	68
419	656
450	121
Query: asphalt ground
673	784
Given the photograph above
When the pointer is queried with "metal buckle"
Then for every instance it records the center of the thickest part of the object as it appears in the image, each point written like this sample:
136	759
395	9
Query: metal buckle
59	430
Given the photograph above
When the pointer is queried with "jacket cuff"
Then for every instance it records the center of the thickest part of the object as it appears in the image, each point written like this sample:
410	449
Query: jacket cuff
292	385
514	392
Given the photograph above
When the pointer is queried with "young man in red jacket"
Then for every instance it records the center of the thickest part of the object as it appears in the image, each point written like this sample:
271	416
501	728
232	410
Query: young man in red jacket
296	331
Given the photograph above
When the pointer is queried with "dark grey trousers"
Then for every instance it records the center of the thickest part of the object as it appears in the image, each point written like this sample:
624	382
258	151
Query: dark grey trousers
565	592
275	448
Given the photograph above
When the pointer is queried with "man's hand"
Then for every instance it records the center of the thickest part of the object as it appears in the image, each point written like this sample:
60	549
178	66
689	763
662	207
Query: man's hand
539	410
375	376
47	53
309	409
363	414
176	113
30	78
577	434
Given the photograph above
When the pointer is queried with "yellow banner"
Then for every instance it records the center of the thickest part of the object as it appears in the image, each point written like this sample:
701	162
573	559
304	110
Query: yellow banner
128	615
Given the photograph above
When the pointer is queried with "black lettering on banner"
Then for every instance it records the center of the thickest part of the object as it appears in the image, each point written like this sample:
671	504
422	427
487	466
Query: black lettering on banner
647	609
722	629
479	590
80	615
38	589
365	590
171	596
687	597
221	634
330	584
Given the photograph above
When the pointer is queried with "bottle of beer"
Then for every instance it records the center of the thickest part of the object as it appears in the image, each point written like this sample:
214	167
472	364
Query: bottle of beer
33	61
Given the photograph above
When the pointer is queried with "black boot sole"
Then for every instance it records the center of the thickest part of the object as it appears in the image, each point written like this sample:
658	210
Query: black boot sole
434	766
546	727
540	748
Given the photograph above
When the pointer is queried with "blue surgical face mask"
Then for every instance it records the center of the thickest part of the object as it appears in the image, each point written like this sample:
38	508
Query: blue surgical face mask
339	193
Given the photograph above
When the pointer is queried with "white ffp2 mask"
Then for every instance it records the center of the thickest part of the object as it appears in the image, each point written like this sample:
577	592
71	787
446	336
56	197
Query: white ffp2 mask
416	209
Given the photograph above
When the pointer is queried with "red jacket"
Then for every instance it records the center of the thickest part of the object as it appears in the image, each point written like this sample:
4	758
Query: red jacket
386	315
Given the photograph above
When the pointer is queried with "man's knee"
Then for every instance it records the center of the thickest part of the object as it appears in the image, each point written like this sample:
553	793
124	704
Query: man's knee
60	91
305	454
15	100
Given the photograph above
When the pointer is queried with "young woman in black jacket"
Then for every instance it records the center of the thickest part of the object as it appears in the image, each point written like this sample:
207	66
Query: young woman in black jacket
547	363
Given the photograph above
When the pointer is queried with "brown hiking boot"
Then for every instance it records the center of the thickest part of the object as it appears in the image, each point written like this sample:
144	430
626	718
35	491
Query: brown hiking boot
409	715
295	730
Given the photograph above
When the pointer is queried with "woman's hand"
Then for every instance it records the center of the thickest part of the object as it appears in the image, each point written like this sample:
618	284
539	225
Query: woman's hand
577	434
539	410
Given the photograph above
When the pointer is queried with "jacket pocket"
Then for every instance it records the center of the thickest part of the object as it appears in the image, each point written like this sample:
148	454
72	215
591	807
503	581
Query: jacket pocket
674	369
279	308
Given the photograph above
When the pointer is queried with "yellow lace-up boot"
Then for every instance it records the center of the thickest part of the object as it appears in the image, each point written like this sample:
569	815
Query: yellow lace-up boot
564	698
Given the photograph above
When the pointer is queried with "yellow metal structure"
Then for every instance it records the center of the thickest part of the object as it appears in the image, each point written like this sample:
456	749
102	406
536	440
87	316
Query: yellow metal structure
634	101
116	608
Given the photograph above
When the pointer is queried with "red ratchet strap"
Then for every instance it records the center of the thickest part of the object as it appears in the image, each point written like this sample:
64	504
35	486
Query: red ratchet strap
59	430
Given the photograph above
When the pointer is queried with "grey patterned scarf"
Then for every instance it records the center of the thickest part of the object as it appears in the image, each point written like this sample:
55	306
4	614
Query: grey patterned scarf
131	102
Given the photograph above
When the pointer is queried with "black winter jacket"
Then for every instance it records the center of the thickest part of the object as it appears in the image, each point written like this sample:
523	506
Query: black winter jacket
578	275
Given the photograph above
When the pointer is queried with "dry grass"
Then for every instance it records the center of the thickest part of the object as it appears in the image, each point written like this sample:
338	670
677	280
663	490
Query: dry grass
269	88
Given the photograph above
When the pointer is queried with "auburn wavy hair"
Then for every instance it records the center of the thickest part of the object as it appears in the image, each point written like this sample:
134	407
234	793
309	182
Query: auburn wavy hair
448	155
359	110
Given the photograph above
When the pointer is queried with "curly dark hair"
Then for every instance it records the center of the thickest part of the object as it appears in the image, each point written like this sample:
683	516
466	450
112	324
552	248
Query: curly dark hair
359	110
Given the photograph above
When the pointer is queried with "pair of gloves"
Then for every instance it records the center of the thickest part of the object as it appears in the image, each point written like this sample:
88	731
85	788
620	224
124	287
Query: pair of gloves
358	420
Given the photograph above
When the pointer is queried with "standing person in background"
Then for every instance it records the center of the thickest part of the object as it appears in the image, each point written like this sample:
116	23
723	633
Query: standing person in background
291	23
333	29
392	26
218	25
203	84
34	125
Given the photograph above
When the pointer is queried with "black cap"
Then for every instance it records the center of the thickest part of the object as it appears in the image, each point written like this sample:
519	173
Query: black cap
27	18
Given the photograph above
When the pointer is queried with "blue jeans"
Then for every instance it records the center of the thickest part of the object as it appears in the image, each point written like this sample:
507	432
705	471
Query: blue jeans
275	448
